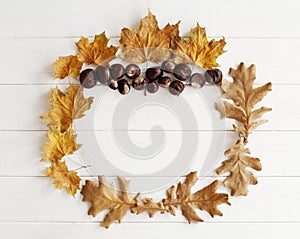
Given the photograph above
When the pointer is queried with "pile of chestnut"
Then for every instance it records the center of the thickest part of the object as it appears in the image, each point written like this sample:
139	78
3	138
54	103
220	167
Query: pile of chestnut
170	75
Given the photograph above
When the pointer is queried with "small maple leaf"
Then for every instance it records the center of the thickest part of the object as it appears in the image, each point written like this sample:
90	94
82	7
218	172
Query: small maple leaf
65	107
150	43
62	177
205	199
198	49
96	52
59	144
67	66
104	196
240	177
245	97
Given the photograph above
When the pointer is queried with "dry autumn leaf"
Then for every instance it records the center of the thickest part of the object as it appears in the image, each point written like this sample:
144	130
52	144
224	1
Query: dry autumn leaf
65	107
150	43
240	177
59	144
62	177
96	52
197	48
244	98
103	196
67	66
205	199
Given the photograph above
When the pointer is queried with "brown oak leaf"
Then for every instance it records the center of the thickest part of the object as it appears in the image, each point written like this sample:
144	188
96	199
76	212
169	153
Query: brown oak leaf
67	66
150	43
62	177
65	107
205	199
245	97
96	52
59	144
240	177
104	196
197	48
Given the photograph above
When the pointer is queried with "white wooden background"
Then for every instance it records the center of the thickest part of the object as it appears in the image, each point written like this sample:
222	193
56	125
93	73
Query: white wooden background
33	33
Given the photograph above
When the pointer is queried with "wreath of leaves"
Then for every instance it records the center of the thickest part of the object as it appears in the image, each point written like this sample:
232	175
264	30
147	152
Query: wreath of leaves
240	100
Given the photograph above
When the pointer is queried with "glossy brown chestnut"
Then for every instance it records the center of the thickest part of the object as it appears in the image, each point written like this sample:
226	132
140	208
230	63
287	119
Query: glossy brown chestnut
152	87
213	76
153	73
164	81
87	78
123	87
116	71
102	74
113	84
168	66
197	80
139	83
182	72
176	87
132	71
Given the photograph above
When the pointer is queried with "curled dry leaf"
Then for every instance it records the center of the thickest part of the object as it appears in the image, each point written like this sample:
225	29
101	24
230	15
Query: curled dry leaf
59	144
240	177
67	66
205	199
65	107
62	177
104	196
96	52
197	48
244	98
150	43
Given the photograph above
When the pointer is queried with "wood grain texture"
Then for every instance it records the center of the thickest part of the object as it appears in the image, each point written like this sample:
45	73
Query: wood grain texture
34	33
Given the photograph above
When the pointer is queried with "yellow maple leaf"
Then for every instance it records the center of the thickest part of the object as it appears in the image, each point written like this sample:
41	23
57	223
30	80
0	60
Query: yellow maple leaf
67	66
59	144
63	178
198	49
96	52
66	106
149	43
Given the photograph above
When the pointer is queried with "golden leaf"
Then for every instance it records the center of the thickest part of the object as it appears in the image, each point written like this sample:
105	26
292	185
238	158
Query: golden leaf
104	196
244	98
240	177
96	52
197	48
59	144
67	66
65	107
150	43
62	177
205	199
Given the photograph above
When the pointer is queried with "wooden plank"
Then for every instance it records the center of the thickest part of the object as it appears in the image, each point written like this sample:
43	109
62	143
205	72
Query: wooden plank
231	18
20	151
194	109
77	230
34	199
276	59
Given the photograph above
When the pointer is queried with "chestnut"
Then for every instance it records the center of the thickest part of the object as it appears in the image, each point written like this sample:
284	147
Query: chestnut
164	81
152	87
102	74
182	72
139	83
123	87
116	71
176	87
197	80
87	78
153	73
132	71
213	76
168	66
